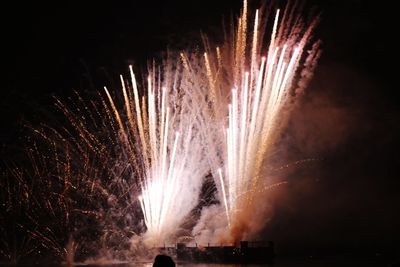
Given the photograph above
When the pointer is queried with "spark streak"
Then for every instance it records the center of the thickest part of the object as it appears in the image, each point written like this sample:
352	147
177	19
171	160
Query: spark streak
258	108
170	150
146	156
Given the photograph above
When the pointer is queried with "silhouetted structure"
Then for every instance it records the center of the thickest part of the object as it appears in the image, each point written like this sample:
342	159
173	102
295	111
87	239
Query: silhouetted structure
163	261
247	252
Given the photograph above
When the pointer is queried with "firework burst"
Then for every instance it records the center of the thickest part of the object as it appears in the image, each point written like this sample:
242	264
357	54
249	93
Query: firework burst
164	137
129	164
251	90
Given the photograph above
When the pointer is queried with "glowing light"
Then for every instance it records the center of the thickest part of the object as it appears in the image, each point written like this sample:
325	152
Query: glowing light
258	108
145	154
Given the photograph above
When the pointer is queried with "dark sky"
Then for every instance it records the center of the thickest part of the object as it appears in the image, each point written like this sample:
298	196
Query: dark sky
348	117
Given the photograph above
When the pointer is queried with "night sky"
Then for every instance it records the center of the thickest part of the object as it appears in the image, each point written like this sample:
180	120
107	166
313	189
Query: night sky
348	197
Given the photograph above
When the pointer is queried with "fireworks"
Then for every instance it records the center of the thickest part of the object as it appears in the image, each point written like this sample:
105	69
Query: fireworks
165	139
262	81
134	168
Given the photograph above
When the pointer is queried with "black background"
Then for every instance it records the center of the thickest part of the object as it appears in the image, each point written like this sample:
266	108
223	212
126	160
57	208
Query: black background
349	118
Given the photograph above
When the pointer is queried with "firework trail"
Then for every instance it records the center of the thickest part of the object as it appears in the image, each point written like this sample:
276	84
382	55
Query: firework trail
112	163
164	137
129	165
80	187
80	184
251	88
